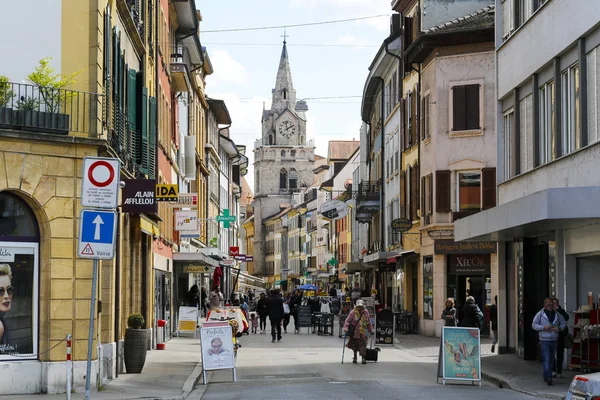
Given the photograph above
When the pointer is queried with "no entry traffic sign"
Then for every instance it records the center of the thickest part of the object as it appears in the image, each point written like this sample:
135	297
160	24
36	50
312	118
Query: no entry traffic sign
100	185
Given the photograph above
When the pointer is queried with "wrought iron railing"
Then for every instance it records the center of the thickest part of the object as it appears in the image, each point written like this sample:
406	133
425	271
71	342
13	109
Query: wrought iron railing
180	55
44	109
368	191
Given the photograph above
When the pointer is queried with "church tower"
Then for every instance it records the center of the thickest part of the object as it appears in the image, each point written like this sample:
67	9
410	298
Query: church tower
283	161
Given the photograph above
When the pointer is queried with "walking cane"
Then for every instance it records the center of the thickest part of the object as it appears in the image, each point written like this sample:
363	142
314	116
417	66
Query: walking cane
344	348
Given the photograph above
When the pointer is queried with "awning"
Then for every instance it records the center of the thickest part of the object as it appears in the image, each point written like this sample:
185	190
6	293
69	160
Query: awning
148	226
195	258
382	256
538	213
392	259
353	266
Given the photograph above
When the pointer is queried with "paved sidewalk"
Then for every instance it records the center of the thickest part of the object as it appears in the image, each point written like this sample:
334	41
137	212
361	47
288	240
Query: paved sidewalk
506	370
169	374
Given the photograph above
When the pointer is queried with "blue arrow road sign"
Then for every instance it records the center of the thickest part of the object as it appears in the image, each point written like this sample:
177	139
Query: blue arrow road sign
97	231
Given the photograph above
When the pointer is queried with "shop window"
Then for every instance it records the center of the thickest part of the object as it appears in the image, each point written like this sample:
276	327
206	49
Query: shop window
16	219
428	287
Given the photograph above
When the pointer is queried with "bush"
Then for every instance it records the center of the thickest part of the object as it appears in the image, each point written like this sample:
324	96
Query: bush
135	321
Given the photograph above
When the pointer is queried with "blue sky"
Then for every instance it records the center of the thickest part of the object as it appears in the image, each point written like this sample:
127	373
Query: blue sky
245	74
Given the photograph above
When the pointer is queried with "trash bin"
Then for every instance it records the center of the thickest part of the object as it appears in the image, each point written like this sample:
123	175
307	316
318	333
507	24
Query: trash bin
160	341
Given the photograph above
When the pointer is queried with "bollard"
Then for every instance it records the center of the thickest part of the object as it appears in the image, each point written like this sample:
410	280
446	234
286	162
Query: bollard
69	366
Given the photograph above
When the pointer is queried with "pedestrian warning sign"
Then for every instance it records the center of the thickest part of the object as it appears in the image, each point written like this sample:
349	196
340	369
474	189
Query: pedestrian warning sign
87	250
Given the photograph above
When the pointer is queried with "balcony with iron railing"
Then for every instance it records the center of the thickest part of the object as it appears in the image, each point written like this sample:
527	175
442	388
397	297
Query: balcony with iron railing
33	108
180	67
367	200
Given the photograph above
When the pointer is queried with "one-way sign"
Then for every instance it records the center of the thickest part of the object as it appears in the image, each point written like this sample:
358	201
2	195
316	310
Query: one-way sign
97	231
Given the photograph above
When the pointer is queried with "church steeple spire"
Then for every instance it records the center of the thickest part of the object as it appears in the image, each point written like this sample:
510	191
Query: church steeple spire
284	94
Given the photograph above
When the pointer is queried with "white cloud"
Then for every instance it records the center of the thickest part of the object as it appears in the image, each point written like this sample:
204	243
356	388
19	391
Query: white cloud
227	69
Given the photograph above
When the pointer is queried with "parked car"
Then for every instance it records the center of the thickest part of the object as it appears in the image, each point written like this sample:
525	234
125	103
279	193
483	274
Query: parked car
585	387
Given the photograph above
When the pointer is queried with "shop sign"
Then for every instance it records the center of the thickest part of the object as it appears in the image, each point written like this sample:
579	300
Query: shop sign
138	196
334	209
186	221
167	192
469	263
234	251
400	225
460	354
452	247
196	269
185	200
6	255
249	258
333	279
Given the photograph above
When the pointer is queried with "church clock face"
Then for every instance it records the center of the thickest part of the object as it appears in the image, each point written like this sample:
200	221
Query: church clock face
287	129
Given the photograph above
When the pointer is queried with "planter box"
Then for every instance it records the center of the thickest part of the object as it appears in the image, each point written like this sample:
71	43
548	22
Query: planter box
37	121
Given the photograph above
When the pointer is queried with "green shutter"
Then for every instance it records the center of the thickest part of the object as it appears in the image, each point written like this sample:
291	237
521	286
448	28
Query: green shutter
152	162
143	161
132	113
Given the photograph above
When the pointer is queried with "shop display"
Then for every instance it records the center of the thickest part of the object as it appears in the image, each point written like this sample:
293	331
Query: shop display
585	354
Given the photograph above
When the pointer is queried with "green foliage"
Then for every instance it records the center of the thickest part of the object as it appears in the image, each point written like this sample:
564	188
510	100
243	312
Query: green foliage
135	321
28	104
5	90
52	85
213	242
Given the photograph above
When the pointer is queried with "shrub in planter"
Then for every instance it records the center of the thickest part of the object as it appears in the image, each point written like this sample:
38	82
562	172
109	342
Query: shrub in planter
135	344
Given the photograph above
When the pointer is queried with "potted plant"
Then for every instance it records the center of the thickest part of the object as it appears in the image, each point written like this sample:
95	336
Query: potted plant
136	339
6	94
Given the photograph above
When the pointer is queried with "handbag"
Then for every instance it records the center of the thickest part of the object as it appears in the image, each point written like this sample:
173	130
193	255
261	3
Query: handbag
352	327
286	308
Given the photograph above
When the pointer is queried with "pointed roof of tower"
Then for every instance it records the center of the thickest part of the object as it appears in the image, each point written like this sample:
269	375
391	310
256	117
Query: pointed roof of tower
284	73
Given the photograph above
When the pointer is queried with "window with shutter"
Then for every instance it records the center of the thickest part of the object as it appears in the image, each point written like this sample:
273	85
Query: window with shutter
442	191
409	120
402	194
430	194
465	107
135	146
414	134
423	195
151	161
143	131
488	183
414	193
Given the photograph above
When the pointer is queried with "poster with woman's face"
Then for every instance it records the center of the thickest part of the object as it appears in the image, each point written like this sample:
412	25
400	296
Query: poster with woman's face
18	300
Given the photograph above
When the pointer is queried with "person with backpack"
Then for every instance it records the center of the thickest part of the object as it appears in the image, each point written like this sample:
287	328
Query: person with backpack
472	315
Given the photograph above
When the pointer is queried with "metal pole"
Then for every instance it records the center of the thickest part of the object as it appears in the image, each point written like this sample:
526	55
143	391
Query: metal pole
69	364
91	333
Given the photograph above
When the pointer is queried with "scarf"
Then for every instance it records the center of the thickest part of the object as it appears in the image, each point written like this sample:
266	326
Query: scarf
363	323
551	315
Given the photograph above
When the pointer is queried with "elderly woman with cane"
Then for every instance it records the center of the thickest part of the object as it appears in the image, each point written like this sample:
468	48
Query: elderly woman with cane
357	325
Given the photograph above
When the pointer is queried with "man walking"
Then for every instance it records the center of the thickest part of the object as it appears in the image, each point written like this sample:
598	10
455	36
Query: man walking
548	323
560	348
275	310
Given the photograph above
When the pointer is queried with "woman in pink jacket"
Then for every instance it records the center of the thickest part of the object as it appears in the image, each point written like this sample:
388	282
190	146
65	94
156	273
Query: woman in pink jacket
361	323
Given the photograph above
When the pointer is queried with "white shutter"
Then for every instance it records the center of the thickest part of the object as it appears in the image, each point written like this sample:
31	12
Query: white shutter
190	157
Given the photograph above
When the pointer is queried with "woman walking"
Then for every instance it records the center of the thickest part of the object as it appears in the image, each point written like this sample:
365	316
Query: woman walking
449	313
357	325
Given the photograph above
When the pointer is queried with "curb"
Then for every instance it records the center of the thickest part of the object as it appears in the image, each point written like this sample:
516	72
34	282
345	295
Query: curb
192	381
503	384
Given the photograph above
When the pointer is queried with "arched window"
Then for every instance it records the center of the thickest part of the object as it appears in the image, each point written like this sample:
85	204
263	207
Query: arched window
270	139
284	93
293	153
282	153
283	179
302	153
293	179
17	219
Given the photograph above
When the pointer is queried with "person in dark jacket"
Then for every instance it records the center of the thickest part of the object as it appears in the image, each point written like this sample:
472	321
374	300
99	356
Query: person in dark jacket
263	311
193	296
470	309
494	322
449	313
203	301
560	347
295	303
275	310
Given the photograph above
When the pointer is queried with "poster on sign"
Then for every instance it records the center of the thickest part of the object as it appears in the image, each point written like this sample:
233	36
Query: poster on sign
188	319
217	347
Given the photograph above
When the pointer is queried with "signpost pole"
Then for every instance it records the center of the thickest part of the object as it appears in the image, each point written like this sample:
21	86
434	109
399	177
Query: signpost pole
91	333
